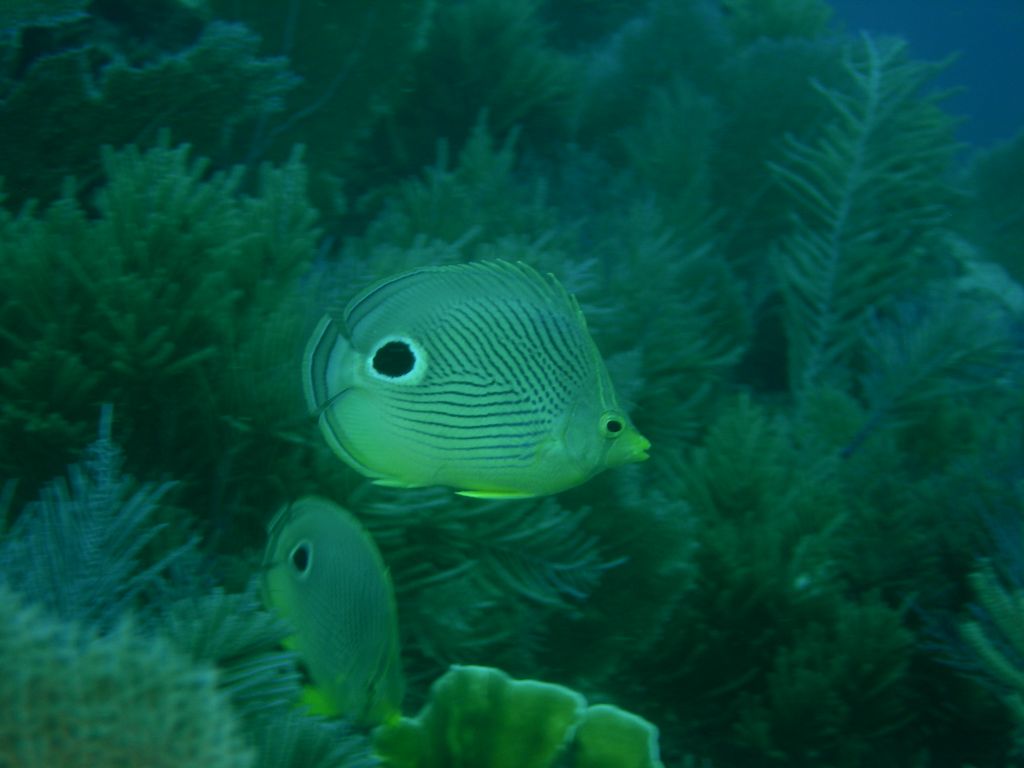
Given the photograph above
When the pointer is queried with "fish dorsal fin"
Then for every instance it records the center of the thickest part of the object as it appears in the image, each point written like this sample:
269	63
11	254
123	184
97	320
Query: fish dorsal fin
399	303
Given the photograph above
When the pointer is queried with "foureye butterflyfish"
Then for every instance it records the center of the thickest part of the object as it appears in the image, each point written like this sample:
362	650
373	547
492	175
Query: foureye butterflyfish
323	574
482	377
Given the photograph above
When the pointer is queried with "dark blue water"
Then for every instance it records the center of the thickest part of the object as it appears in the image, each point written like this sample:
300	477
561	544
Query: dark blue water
989	36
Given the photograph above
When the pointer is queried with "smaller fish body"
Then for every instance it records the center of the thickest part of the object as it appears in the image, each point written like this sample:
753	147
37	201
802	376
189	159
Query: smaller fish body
482	377
323	573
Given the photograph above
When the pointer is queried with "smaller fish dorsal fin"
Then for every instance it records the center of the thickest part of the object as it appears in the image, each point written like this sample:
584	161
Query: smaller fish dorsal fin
394	305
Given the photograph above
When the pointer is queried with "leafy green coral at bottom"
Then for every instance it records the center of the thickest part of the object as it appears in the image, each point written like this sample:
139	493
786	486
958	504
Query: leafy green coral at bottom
478	717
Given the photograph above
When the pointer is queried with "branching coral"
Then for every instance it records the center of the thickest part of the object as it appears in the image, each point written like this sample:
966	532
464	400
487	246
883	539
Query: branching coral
481	56
355	61
72	697
479	580
81	549
754	19
996	636
925	356
867	194
141	658
207	91
995	216
769	514
164	292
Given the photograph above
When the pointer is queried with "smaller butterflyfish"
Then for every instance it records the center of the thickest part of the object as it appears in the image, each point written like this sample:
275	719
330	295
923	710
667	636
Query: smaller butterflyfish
482	377
324	575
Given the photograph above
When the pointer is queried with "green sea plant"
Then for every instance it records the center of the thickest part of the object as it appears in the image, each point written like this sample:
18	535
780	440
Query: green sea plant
676	315
24	13
996	636
944	350
101	604
671	148
88	549
158	303
671	42
596	644
577	23
73	696
868	194
206	91
994	218
769	634
769	98
751	20
481	56
355	62
232	633
477	717
452	208
479	580
838	693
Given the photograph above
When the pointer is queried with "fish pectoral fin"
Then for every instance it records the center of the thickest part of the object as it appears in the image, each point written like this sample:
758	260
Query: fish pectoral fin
496	494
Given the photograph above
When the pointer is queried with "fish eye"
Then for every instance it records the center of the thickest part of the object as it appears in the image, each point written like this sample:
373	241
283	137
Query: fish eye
301	557
612	424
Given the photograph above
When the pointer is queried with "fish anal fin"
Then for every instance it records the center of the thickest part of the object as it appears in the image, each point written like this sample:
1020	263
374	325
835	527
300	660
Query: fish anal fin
390	482
496	494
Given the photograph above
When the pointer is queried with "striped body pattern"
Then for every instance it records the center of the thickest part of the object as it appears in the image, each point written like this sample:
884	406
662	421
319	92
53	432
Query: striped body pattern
480	376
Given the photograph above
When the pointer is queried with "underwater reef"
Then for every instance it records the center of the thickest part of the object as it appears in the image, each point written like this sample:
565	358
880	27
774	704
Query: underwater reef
806	292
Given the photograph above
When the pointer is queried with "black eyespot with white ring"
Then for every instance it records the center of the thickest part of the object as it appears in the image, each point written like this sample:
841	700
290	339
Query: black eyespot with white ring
397	359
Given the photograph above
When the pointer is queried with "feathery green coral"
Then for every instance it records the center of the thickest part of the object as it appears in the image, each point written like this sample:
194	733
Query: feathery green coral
81	550
770	511
481	57
997	638
920	358
160	293
95	556
354	61
209	91
76	698
478	198
25	13
479	580
868	192
671	149
994	218
753	19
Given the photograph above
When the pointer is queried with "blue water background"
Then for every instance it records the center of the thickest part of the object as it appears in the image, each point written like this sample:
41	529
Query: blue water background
989	36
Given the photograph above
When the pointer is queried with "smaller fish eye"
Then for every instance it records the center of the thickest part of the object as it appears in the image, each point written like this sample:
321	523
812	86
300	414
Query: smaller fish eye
301	556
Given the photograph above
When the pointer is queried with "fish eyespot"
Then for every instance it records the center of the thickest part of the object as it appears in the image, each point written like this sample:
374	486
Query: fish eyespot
397	359
394	359
301	557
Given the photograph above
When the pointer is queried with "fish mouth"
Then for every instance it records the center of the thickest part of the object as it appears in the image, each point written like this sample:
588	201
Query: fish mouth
638	451
630	448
